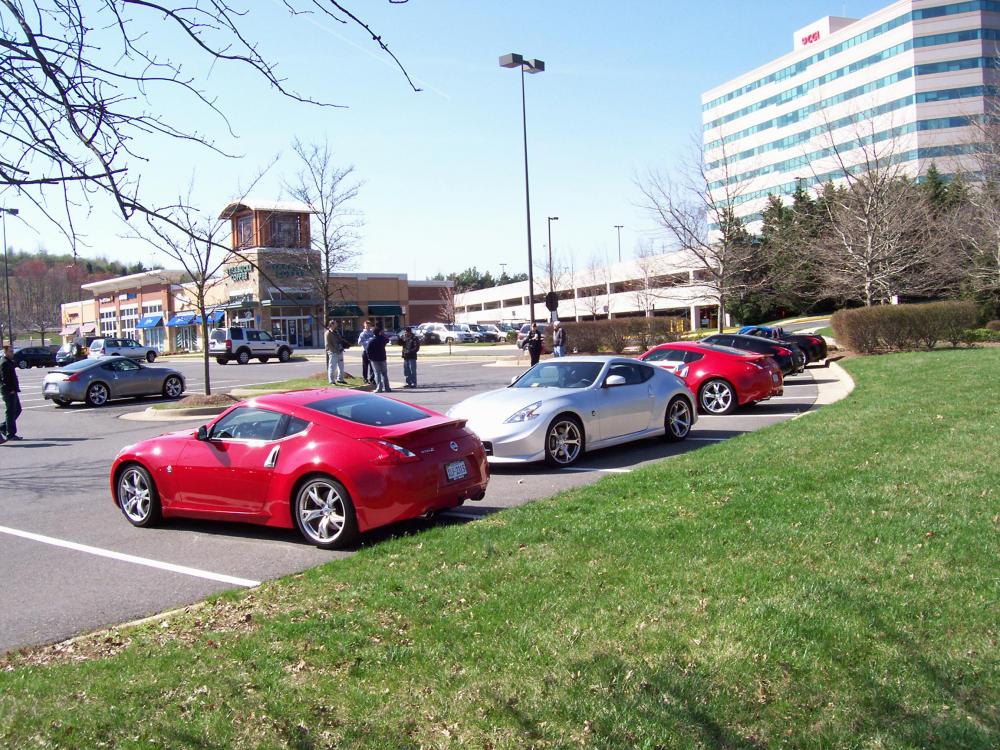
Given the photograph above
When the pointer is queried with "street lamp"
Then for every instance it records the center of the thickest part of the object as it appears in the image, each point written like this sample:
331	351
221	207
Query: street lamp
6	278
552	283
513	60
619	228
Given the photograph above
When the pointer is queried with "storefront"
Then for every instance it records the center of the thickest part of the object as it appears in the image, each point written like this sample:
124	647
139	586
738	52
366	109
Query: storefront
152	332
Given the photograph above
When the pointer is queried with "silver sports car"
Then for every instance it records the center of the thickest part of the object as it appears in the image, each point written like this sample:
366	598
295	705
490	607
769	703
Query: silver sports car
562	407
95	381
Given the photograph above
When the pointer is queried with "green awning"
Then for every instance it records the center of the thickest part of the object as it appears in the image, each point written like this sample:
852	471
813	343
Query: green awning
347	311
385	310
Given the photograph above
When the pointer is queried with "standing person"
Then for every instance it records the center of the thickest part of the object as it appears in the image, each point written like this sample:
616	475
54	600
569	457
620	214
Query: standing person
363	338
376	356
533	343
334	354
558	340
9	387
411	345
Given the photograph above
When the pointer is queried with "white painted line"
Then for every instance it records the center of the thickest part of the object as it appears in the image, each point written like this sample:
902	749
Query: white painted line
586	469
183	569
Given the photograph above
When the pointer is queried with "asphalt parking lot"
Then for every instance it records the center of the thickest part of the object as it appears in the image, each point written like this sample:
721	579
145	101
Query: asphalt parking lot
72	563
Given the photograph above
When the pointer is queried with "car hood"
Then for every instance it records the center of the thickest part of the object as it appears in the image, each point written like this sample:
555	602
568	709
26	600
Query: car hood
503	402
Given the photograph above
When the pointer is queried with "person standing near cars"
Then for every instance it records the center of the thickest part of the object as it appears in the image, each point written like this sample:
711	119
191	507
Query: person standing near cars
533	343
363	338
411	345
376	356
558	340
9	387
334	355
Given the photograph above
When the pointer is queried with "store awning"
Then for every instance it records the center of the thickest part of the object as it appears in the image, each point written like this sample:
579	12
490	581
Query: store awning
150	321
182	319
69	331
214	318
385	310
347	311
89	328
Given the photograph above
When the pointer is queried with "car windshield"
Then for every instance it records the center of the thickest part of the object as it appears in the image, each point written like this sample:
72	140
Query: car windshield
367	409
560	375
67	349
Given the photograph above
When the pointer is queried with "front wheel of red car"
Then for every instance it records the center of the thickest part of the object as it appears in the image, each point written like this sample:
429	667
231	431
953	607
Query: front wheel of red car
324	513
678	420
717	397
137	496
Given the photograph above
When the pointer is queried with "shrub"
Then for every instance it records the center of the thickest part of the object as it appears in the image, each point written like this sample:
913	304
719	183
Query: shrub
615	335
902	327
993	325
583	337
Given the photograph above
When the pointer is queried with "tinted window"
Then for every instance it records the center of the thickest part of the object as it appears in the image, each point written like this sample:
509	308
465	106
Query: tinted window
253	336
80	364
633	374
367	409
247	423
122	365
666	355
551	374
693	356
265	336
218	336
295	426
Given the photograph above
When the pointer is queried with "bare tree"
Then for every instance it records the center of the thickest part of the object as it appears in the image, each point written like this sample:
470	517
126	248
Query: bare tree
81	83
329	190
977	223
595	298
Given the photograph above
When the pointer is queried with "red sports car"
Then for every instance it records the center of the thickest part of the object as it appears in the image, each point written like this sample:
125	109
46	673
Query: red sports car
721	377
332	463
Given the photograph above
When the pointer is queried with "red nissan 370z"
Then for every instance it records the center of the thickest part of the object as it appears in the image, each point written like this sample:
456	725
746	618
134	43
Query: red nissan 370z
331	463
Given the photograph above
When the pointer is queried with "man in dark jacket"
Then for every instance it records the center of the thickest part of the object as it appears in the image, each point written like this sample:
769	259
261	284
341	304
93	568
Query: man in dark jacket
9	388
558	340
411	345
376	355
533	343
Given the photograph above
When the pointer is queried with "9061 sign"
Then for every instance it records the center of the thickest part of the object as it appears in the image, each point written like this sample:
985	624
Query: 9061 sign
810	38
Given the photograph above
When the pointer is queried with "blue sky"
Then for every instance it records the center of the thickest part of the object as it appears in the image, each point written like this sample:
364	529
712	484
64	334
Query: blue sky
442	169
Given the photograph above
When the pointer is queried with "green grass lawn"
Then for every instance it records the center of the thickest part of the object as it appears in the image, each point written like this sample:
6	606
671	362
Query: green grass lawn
830	582
825	331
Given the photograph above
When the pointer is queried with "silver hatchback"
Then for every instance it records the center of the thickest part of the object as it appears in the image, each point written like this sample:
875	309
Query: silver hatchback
95	382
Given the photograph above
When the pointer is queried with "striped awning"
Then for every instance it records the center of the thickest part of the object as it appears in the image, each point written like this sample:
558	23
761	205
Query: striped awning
69	331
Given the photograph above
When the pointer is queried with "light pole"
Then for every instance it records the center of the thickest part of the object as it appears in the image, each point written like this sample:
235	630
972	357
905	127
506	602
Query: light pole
619	228
552	283
514	60
6	278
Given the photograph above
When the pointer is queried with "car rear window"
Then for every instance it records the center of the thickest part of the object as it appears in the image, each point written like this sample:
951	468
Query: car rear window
80	364
370	410
218	335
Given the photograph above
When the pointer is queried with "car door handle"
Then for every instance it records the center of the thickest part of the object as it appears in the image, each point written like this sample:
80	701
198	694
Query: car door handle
272	457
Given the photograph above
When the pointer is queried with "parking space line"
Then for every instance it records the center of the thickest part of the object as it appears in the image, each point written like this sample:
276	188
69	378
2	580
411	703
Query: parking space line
170	567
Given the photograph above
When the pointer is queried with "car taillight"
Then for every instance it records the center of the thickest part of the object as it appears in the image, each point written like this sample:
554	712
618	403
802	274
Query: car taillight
229	344
756	365
390	453
783	352
73	378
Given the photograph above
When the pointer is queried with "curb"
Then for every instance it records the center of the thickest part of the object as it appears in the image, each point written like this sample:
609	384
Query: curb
829	393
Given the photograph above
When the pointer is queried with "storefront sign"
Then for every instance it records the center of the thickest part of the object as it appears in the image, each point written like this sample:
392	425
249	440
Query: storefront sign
240	272
285	270
810	38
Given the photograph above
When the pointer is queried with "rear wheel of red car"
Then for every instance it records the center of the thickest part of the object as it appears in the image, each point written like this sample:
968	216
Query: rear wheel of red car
563	441
324	513
678	419
137	496
717	397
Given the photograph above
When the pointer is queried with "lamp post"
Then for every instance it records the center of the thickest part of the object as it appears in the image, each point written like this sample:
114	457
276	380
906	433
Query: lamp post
619	228
6	278
552	283
514	60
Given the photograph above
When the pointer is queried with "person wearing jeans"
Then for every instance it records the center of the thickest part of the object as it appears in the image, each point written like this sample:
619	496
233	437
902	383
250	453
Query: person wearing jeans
411	345
376	356
366	366
334	355
9	387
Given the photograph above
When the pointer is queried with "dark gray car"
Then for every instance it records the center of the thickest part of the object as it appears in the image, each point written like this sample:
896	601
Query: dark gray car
95	381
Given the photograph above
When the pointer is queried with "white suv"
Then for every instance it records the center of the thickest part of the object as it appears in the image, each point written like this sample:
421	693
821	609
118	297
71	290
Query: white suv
241	344
449	332
110	347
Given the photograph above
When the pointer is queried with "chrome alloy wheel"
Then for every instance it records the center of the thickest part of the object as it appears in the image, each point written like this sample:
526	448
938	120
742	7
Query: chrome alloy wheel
322	511
717	397
98	394
564	442
172	387
679	419
135	496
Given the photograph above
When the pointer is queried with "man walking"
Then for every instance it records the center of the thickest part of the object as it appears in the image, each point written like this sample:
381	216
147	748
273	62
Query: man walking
411	345
334	355
9	388
376	355
366	367
533	343
558	340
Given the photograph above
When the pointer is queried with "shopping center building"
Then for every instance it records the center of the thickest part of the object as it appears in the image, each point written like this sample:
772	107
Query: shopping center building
271	280
905	80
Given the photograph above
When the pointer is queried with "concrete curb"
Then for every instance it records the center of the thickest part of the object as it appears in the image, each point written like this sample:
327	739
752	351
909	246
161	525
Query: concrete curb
829	393
173	415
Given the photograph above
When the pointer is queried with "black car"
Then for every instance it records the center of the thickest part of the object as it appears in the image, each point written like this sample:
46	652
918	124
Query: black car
812	344
71	352
789	357
34	356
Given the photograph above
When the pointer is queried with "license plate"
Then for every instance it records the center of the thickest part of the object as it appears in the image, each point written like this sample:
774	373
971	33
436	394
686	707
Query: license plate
456	470
52	389
774	377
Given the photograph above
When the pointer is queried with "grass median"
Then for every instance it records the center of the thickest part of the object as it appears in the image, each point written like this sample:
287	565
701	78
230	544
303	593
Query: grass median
827	582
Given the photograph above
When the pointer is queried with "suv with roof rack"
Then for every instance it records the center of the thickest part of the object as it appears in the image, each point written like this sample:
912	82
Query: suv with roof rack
243	344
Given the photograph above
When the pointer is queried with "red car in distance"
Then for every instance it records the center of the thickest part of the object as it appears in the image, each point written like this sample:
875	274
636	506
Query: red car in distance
331	463
721	378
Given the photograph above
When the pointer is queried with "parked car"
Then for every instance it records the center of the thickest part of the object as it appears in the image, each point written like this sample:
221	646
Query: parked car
561	408
330	463
449	333
96	381
115	347
70	352
242	344
34	356
814	346
789	357
488	334
722	378
522	333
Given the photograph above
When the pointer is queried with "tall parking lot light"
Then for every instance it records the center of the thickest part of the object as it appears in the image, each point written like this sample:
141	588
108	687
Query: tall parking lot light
514	60
6	276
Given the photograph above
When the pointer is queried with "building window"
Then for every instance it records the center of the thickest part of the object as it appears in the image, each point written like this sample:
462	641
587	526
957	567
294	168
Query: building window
285	230
130	316
109	322
244	231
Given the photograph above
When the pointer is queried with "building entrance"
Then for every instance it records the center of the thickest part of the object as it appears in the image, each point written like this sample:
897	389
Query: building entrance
297	331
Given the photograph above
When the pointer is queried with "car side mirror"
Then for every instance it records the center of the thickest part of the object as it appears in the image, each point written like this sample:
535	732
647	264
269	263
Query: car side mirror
203	432
613	380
